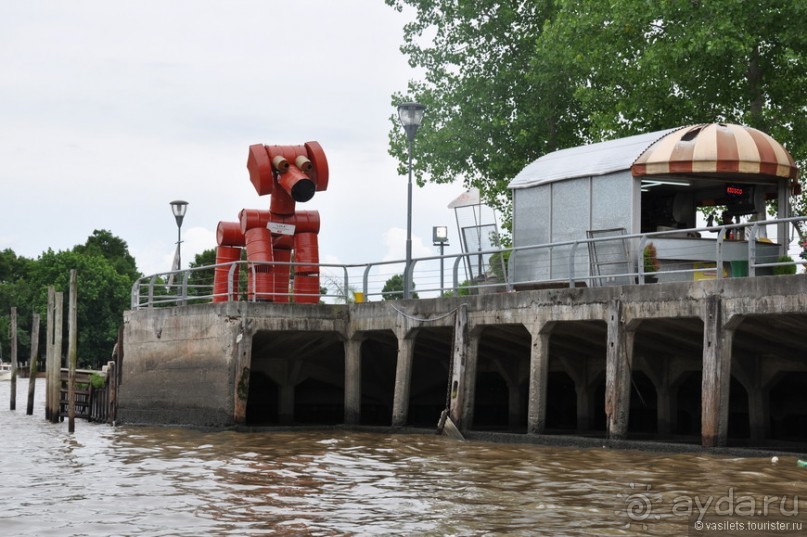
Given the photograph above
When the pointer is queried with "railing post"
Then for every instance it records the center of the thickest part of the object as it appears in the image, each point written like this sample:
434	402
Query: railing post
752	250
408	276
135	295
509	272
231	282
151	291
571	264
719	253
184	294
456	274
347	283
365	278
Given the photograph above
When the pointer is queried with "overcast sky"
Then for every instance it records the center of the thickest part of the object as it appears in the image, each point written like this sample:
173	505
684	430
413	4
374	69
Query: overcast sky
109	110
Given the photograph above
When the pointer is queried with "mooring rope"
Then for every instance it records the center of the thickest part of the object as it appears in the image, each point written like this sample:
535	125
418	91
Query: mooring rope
420	319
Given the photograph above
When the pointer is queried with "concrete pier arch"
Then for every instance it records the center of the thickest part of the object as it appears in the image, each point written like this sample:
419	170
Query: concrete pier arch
306	370
502	378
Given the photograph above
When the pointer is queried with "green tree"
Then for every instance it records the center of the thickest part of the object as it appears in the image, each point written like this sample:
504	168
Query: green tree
393	288
106	272
113	249
200	282
506	82
103	295
15	292
485	119
12	267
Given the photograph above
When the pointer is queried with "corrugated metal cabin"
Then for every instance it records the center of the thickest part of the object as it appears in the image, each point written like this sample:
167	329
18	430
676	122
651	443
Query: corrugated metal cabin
642	184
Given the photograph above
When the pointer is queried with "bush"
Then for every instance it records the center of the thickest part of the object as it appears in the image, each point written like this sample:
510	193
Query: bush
97	381
784	269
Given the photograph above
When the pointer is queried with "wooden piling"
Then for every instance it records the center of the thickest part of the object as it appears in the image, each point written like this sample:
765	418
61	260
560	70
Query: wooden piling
55	377
72	353
13	404
112	390
617	373
717	341
49	353
458	362
32	364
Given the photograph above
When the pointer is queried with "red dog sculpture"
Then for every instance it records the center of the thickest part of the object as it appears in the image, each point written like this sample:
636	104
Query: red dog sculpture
287	173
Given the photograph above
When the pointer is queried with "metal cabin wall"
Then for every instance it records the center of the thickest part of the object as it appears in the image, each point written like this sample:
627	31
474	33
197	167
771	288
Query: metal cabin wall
564	211
532	217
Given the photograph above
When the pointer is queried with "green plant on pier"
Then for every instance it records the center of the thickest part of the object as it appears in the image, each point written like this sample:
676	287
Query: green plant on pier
97	381
784	270
651	262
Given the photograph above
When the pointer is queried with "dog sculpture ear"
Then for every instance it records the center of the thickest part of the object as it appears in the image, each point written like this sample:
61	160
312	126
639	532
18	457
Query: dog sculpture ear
260	169
319	165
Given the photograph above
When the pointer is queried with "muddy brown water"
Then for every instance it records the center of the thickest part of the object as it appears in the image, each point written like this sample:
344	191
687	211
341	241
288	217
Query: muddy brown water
171	481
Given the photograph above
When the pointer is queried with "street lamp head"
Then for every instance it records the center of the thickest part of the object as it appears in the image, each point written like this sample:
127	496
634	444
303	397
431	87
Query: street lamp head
440	235
411	116
179	207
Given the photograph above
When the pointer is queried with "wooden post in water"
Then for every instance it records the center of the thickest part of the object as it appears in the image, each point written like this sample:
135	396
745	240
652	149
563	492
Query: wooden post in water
618	364
112	390
13	359
32	364
49	353
58	329
717	342
54	356
72	354
452	417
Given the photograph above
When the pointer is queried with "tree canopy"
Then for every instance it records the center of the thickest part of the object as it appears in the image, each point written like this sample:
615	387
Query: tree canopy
102	296
506	82
394	288
114	249
105	271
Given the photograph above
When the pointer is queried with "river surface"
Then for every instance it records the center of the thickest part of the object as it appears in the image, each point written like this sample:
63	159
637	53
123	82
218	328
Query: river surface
169	481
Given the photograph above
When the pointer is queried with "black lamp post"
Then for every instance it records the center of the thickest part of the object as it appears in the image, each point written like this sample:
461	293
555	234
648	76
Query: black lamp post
440	238
179	207
411	116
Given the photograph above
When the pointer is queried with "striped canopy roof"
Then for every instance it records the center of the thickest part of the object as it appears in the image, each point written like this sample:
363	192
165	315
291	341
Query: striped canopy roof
716	149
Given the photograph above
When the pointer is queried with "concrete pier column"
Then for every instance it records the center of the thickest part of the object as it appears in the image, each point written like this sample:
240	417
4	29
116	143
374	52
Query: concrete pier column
289	378
664	409
539	374
286	407
584	400
618	372
403	380
717	340
759	413
514	412
353	380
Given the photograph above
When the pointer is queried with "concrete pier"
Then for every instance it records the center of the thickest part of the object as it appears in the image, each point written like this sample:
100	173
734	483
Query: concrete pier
719	360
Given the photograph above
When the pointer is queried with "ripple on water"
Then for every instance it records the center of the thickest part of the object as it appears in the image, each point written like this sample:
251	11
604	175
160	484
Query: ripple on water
155	481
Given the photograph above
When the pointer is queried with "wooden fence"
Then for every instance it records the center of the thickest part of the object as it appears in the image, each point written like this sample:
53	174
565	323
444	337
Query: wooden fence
95	394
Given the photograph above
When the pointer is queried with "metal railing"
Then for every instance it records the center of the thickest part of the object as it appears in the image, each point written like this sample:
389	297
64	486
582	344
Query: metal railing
564	263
